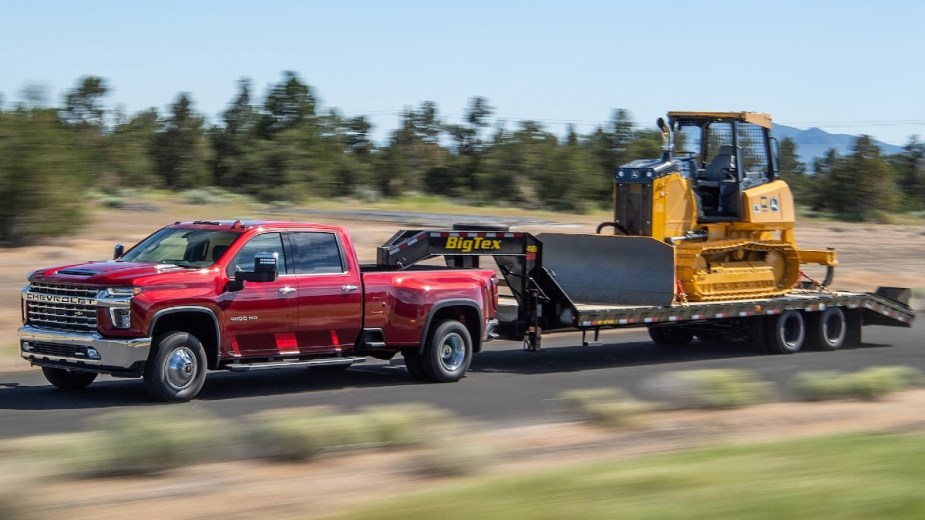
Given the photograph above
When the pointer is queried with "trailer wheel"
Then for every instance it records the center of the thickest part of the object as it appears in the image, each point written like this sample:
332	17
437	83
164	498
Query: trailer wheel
447	353
413	365
176	368
68	379
784	333
671	336
827	329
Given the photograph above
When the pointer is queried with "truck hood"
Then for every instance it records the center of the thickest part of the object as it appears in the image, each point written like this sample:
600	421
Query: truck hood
104	272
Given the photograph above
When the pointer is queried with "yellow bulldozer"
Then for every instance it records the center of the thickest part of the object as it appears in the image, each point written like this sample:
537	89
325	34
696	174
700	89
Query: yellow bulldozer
716	214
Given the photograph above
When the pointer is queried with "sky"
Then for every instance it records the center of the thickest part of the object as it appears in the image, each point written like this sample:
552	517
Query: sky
844	66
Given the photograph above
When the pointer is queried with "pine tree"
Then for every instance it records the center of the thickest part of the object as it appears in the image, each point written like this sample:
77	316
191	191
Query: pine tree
861	186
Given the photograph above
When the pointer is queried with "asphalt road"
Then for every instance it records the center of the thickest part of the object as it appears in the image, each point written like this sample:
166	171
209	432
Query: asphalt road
505	385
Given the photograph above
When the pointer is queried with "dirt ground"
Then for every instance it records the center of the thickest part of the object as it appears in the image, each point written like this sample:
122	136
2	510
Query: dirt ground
870	256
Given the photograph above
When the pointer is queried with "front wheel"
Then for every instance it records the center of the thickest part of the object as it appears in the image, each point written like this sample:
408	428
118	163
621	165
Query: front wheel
447	353
176	369
68	379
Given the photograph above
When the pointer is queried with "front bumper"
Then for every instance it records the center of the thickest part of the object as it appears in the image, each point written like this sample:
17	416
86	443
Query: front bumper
82	350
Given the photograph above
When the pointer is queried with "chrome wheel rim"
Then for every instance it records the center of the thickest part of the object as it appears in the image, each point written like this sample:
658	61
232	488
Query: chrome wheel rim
180	368
452	352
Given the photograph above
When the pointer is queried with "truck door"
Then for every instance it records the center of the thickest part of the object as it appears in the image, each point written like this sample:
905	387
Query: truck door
261	318
330	298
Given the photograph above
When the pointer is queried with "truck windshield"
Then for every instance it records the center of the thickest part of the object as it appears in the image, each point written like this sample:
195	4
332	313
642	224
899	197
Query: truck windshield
182	247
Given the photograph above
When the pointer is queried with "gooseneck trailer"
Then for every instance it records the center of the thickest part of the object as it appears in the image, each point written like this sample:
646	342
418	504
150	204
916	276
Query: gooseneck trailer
570	282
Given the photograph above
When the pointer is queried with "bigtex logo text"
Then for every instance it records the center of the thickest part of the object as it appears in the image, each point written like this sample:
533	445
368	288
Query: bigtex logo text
467	245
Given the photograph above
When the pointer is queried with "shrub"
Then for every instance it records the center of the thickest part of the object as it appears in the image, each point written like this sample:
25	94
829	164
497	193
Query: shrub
821	385
404	424
877	382
714	388
147	441
869	384
606	407
113	202
196	197
301	434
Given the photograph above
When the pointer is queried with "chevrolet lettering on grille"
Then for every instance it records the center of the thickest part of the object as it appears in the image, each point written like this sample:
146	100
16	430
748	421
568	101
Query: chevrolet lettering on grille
54	298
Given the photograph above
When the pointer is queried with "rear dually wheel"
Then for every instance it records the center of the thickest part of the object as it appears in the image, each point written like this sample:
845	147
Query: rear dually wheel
448	352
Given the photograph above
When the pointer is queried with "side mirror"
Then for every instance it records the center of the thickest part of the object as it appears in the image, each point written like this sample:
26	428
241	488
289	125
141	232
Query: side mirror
266	269
118	251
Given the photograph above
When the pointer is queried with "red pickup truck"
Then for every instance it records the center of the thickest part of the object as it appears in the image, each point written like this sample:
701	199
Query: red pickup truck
248	295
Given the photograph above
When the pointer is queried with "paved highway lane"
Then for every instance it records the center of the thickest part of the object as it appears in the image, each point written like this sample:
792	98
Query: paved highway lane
505	385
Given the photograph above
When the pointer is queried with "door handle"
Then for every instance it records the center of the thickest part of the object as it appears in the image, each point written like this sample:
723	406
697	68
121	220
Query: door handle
348	288
286	290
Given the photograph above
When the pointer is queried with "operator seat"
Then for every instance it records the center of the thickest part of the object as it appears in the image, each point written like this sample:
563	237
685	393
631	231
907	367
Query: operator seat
717	184
722	165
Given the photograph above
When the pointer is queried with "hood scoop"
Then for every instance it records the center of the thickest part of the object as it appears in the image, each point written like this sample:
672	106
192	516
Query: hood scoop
78	272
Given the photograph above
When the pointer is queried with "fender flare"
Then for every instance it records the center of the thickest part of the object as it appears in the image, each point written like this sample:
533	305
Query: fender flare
191	308
477	342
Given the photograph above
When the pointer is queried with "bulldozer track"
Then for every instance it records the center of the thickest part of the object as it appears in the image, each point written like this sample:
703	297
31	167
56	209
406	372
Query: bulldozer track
692	276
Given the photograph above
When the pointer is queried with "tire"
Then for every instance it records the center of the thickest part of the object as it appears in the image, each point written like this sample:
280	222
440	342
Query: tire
785	333
413	365
68	379
447	353
671	336
176	367
827	330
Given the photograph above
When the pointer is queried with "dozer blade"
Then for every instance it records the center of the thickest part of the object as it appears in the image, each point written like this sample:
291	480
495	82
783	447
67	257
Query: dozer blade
611	269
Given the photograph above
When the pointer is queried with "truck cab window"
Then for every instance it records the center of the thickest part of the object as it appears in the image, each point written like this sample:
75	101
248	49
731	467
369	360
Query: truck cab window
265	243
189	248
316	253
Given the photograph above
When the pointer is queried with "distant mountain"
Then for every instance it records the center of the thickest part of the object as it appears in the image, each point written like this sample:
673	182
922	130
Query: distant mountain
815	143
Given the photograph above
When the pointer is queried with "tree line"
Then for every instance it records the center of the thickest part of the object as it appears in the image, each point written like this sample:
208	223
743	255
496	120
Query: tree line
285	147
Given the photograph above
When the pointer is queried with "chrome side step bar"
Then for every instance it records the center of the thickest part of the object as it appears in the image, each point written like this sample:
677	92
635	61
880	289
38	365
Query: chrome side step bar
272	365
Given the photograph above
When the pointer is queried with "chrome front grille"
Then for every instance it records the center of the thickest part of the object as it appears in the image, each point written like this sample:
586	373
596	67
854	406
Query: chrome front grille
62	289
76	310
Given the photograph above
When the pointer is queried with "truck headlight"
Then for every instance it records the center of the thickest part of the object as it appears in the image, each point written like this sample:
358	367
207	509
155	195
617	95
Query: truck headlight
118	300
123	291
